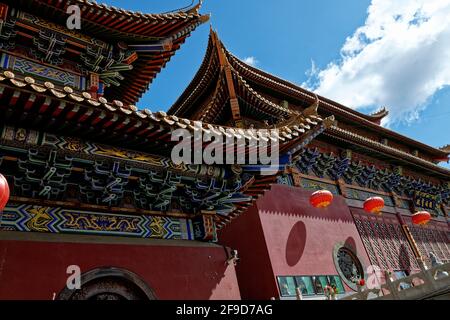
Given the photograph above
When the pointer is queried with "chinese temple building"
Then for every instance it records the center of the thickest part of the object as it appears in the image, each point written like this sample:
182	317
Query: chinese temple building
284	242
93	184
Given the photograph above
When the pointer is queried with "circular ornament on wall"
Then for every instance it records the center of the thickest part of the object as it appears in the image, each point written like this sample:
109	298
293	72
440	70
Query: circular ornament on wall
348	264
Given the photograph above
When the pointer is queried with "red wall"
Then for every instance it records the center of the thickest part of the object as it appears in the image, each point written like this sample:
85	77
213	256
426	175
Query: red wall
284	235
300	238
36	270
254	271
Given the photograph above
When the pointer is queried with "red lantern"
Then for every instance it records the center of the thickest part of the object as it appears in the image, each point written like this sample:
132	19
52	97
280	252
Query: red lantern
421	217
374	205
362	282
4	192
321	199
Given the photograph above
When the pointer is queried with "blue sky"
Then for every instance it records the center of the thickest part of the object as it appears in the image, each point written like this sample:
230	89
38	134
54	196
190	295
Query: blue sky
288	37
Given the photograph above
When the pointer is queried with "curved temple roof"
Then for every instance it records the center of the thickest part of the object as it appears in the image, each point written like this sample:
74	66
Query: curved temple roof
25	102
369	121
102	112
115	25
223	86
211	77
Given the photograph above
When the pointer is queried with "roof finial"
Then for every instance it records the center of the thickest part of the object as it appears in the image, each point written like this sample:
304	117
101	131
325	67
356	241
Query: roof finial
445	148
312	110
379	115
329	122
197	7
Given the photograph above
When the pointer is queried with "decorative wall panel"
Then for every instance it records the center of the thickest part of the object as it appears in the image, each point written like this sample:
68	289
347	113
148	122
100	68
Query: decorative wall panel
205	228
385	242
364	195
26	138
432	238
317	185
37	70
23	217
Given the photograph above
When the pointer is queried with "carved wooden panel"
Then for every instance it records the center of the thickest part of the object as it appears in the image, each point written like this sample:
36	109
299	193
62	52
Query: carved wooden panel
385	242
432	238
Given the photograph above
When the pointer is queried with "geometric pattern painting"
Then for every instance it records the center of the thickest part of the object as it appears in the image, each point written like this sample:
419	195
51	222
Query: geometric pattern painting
205	228
432	238
363	195
27	67
285	179
24	217
385	243
27	138
313	185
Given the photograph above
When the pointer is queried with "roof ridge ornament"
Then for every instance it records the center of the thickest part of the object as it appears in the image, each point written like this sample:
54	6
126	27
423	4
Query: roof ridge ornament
329	122
380	112
196	8
445	148
378	115
312	109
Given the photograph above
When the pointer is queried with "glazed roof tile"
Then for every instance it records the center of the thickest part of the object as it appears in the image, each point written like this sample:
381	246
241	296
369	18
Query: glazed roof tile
387	149
245	73
335	108
115	25
160	117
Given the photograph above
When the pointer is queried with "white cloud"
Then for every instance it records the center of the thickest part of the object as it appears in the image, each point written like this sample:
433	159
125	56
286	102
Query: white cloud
398	59
250	61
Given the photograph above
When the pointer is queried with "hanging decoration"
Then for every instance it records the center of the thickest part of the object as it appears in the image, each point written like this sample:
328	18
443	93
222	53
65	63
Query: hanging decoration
321	199
421	218
4	192
374	205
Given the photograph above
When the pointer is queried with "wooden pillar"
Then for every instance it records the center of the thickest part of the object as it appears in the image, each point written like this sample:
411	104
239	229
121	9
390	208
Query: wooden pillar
342	187
446	212
407	233
94	83
295	176
3	11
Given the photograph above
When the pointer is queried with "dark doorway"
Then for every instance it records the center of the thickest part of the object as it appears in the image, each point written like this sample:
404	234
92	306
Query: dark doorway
109	284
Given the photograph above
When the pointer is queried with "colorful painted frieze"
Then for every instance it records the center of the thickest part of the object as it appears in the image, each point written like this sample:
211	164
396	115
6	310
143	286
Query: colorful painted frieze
364	195
40	71
314	185
31	218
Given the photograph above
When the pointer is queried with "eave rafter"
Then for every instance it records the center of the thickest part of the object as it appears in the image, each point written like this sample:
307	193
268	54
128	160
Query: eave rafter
390	151
291	90
49	105
219	97
216	62
24	102
252	102
244	76
226	69
134	29
208	70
